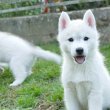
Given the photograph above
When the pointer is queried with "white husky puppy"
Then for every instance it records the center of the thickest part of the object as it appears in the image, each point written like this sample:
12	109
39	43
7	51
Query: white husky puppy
84	76
19	55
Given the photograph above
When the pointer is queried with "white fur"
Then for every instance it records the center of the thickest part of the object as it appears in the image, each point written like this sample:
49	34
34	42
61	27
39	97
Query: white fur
19	55
86	85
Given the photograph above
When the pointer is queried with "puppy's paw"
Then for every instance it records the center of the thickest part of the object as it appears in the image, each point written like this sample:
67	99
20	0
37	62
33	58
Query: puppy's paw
14	84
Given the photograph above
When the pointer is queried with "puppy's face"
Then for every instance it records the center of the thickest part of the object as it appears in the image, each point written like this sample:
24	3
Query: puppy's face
78	38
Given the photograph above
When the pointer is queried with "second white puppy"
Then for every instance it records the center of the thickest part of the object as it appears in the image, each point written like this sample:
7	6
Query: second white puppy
19	55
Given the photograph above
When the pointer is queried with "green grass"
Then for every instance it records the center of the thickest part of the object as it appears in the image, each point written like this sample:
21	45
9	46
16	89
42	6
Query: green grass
40	91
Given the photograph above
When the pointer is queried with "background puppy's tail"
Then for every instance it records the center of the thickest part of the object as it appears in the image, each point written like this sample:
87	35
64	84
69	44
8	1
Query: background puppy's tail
47	55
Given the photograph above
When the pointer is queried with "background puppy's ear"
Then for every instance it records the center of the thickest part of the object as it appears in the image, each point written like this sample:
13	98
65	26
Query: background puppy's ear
89	19
63	21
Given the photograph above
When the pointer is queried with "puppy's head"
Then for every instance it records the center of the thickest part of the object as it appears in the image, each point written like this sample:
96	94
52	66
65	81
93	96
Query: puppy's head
78	38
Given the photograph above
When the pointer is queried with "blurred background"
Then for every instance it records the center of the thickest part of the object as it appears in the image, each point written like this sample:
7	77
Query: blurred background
13	8
37	20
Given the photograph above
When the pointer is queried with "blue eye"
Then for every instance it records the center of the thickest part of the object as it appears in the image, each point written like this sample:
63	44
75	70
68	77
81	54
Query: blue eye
70	39
86	38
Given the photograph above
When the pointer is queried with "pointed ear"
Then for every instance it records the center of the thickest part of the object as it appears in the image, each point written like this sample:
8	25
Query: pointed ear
89	19
63	21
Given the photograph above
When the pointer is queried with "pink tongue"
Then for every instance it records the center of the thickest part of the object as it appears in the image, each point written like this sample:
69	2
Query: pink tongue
80	59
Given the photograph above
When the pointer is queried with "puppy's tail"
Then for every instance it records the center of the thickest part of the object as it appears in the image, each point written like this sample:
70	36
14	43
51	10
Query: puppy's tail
47	55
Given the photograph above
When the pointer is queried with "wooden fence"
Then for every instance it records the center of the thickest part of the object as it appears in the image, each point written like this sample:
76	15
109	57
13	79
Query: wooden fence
41	5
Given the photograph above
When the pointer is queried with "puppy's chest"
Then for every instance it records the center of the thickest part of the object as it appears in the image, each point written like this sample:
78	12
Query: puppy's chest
82	84
81	90
77	76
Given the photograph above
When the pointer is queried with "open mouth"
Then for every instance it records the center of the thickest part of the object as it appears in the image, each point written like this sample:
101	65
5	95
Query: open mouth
79	59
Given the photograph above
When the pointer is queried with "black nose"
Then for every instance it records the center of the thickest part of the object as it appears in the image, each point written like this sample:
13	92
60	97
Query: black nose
79	51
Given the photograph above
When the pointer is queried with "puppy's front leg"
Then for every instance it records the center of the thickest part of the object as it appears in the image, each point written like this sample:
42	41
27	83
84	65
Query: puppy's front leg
95	100
70	97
